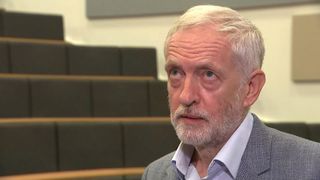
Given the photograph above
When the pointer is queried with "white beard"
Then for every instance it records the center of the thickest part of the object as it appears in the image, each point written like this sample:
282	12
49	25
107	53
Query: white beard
214	129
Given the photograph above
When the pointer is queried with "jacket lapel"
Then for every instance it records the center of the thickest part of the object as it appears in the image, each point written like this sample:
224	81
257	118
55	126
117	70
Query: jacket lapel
257	156
171	174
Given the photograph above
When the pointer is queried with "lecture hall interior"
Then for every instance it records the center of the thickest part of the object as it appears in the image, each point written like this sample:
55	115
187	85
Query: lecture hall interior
84	90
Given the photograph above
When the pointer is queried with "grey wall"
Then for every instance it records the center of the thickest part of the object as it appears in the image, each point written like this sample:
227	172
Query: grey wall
124	8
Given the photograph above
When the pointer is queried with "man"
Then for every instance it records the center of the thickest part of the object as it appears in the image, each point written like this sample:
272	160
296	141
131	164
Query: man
213	61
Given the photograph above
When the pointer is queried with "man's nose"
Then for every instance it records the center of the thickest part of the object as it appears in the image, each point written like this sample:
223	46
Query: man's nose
189	92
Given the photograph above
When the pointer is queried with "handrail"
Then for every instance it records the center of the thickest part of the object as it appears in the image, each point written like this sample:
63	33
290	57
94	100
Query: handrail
77	174
33	40
74	77
83	119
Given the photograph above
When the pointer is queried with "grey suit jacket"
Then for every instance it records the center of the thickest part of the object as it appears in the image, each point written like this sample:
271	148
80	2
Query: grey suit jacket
269	155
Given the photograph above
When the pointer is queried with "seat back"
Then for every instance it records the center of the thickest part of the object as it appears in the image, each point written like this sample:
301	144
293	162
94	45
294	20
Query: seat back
60	98
120	98
28	25
15	97
27	148
38	58
4	57
314	132
298	129
90	145
139	61
90	60
146	141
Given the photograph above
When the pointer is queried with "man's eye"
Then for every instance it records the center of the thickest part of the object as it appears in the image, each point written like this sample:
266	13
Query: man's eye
174	72
209	74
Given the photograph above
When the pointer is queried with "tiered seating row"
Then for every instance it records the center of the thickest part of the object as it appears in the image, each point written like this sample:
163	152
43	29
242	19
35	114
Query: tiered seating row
304	130
29	25
71	144
59	97
43	76
45	58
64	144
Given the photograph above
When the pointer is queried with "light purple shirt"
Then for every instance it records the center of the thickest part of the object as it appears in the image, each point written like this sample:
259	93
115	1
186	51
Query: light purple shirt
224	165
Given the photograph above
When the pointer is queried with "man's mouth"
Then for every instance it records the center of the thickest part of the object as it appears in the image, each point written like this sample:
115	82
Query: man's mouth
190	117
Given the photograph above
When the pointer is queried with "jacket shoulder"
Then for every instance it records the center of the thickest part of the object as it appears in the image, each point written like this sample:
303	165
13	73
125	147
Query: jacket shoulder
160	169
300	156
289	145
272	154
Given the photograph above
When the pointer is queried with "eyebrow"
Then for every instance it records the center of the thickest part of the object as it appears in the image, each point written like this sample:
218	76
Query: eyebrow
171	63
202	64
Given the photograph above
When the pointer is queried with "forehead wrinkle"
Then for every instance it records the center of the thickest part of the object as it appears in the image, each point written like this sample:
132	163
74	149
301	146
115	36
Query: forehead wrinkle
200	47
190	56
196	42
218	42
203	50
204	39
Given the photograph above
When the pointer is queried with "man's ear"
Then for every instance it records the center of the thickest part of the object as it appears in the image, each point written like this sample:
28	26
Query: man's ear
255	84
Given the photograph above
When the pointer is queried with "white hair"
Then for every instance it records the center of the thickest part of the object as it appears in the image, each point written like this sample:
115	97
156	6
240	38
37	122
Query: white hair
244	37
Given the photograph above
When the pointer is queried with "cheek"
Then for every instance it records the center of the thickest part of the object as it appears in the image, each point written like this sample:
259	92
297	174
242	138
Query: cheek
226	101
213	101
210	103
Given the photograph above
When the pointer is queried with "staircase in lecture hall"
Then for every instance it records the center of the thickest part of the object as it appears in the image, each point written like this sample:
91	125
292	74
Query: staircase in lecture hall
68	107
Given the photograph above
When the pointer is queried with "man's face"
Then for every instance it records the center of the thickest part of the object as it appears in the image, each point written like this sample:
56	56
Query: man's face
204	86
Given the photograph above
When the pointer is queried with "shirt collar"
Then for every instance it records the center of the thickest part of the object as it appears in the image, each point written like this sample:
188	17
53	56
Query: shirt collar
182	158
230	154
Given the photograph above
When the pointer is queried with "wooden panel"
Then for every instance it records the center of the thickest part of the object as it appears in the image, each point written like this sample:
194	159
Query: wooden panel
306	48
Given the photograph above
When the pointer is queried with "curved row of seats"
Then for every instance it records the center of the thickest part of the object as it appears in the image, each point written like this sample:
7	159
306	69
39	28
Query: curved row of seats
63	144
43	76
76	97
46	58
44	145
34	43
309	131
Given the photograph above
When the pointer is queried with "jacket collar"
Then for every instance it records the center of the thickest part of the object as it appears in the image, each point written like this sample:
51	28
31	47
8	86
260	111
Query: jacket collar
171	172
257	156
